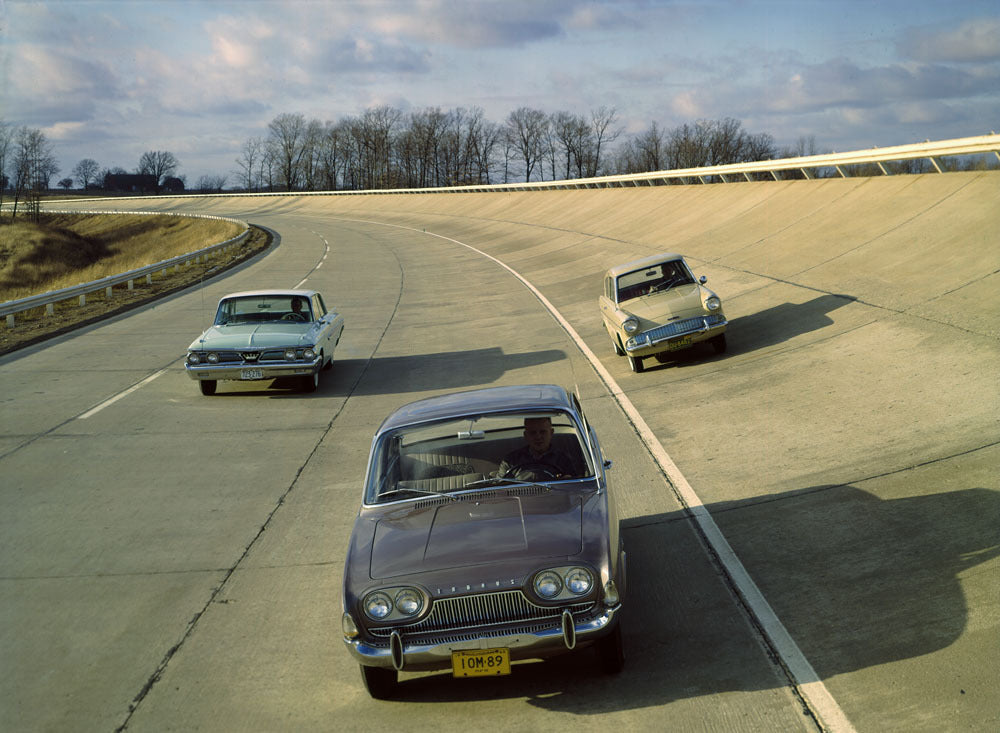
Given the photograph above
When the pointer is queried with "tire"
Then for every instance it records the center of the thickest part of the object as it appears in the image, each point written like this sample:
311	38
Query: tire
310	382
611	651
207	386
719	343
619	351
379	682
636	363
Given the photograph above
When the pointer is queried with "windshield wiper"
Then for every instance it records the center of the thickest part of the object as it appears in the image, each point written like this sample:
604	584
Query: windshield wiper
494	481
409	490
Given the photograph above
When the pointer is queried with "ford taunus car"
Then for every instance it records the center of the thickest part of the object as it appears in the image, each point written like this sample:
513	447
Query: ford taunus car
654	306
266	334
487	535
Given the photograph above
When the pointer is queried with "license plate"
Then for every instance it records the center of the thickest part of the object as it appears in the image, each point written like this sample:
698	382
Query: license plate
251	373
679	343
480	662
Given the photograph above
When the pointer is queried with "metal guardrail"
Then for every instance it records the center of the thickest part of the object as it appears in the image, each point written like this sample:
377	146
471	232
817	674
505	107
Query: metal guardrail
804	165
50	298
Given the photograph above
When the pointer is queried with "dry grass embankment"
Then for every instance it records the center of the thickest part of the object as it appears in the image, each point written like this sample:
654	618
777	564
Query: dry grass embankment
67	249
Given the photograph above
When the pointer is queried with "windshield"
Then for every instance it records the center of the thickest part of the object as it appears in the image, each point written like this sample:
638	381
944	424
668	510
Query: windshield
653	279
263	309
451	455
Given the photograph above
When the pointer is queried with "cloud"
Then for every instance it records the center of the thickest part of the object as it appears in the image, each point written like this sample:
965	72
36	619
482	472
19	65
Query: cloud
974	41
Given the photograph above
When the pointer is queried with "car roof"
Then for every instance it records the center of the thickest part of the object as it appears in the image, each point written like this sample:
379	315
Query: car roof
480	401
251	293
641	263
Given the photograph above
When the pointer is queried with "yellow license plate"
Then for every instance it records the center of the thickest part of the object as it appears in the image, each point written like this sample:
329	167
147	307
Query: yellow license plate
480	662
679	343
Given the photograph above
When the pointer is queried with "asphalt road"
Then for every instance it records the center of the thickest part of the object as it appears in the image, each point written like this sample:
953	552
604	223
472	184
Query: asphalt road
172	562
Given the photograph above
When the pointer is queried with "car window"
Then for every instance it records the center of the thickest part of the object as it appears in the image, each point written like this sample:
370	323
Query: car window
262	309
447	455
649	280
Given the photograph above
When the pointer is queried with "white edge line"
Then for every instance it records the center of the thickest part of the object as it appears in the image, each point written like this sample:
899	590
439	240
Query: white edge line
111	400
829	714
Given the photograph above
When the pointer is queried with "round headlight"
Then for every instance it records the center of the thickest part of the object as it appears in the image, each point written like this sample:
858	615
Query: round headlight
713	303
409	602
309	354
578	581
630	325
289	354
548	584
193	358
213	358
377	605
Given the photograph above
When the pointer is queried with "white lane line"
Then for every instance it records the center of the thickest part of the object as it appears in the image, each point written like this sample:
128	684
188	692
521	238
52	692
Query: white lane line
111	400
828	713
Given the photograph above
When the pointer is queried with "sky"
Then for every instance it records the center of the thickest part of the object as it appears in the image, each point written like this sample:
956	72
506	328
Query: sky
112	79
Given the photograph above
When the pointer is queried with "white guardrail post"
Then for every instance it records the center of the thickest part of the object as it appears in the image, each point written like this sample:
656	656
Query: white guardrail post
50	298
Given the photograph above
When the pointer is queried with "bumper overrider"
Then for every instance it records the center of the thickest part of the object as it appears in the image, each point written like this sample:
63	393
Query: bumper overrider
677	335
533	641
252	371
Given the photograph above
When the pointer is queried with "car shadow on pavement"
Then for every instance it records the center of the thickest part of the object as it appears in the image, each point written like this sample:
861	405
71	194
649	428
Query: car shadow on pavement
765	328
445	370
858	581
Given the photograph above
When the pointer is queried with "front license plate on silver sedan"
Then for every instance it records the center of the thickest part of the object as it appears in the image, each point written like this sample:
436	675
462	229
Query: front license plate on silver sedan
251	373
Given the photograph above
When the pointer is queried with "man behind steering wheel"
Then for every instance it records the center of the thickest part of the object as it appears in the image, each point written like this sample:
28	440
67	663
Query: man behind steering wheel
537	460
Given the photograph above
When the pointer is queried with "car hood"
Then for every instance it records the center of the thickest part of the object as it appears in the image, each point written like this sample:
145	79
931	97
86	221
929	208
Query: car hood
683	301
260	335
477	531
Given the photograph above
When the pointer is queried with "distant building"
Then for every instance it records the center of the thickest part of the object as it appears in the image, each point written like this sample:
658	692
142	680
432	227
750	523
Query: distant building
130	183
173	185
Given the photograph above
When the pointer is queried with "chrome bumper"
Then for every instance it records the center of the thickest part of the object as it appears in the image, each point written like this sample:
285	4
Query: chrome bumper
537	643
269	371
647	344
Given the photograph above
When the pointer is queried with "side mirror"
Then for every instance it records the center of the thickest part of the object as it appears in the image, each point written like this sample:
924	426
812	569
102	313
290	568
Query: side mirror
703	279
608	464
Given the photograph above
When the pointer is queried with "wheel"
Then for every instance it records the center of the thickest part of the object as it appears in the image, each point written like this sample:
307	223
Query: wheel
294	317
719	343
380	682
636	363
611	651
310	382
619	351
207	386
537	471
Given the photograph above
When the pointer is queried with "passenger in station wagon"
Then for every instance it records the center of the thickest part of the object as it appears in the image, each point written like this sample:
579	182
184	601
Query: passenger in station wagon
537	460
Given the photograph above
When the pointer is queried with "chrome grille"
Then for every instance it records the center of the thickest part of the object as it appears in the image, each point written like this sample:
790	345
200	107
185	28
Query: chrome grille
482	611
678	328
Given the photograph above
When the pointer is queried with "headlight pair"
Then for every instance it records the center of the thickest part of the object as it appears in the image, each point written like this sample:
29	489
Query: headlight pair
567	582
390	603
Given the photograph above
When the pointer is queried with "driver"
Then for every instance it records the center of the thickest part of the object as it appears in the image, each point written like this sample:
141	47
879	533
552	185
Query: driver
538	459
297	304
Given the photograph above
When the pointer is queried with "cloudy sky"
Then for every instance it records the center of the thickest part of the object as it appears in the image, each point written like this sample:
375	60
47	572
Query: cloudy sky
110	79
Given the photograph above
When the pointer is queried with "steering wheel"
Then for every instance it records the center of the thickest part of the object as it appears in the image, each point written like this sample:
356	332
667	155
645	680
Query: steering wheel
294	317
532	471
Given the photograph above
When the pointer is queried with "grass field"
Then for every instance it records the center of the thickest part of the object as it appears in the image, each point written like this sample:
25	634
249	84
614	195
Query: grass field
65	250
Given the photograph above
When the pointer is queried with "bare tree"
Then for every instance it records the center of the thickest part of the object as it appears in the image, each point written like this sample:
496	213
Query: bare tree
34	166
249	161
602	122
86	171
526	130
6	142
159	163
212	184
286	143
